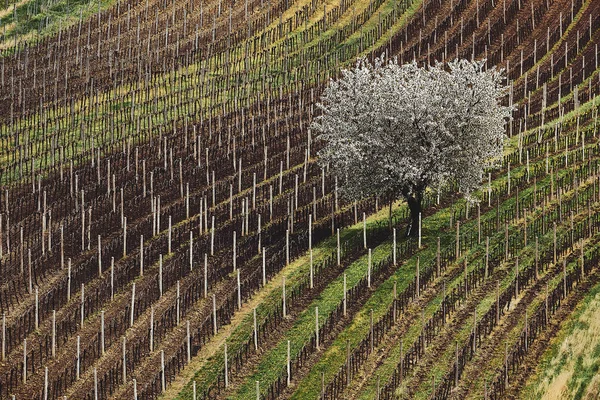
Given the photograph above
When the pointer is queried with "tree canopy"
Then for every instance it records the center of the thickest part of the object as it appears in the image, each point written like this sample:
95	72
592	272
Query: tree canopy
393	130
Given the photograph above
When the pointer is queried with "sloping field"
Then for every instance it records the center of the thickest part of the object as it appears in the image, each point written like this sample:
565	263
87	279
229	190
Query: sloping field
167	232
569	368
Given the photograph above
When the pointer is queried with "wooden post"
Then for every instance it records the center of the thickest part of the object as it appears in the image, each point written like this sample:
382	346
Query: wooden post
312	284
162	370
99	256
255	330
205	275
3	336
95	383
191	250
420	230
234	250
310	232
112	278
30	271
135	394
508	179
160	275
264	267
151	328
364	230
239	290
338	248
226	367
25	360
214	303
37	309
102	332
82	303
62	244
141	255
124	236
124	355
78	366
45	383
212	236
187	198
257	390
188	341
132	313
259	232
289	365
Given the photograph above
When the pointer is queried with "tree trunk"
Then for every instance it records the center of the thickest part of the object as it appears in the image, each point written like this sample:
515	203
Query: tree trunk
414	204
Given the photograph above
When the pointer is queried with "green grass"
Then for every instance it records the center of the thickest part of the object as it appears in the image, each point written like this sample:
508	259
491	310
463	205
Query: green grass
387	367
294	275
270	366
334	356
570	366
36	19
65	12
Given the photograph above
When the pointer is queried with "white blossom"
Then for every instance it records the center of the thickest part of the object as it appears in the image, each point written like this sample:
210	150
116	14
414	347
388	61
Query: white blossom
393	130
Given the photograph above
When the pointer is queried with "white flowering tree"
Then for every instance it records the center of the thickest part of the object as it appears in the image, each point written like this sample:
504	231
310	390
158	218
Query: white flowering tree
394	130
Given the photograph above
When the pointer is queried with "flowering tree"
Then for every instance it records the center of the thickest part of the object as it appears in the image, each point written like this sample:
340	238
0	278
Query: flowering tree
394	130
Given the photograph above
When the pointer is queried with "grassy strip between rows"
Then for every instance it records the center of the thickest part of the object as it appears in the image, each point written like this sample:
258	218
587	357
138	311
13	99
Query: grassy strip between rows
37	19
493	366
526	258
294	274
271	364
389	364
380	301
277	296
570	367
334	356
193	80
